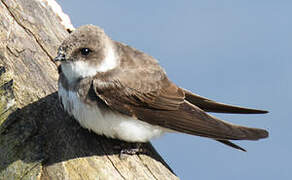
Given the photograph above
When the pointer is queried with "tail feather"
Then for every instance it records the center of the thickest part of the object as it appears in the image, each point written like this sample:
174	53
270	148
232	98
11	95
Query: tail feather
192	120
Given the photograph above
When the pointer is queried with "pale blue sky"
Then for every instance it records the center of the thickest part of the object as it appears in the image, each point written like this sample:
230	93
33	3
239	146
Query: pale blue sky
237	52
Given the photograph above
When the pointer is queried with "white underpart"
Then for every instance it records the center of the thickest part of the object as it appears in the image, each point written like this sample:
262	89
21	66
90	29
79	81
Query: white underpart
110	124
78	69
82	69
65	20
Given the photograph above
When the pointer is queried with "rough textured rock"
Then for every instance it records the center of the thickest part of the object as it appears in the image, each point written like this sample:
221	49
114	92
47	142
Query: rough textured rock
37	139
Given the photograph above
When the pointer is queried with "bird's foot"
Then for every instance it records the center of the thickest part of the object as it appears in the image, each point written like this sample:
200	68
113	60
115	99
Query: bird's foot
130	149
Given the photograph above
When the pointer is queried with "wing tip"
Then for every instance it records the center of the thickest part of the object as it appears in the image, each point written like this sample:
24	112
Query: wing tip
209	105
264	111
231	144
258	111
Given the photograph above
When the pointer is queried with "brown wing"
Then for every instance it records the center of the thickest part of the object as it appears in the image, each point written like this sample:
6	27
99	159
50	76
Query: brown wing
147	94
140	82
213	106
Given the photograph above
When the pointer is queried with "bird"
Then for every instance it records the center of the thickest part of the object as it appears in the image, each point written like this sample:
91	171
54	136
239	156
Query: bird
120	92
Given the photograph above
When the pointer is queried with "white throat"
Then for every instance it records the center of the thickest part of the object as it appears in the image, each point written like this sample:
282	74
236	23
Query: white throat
81	69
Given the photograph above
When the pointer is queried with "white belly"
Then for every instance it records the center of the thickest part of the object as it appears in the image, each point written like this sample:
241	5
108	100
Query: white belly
114	125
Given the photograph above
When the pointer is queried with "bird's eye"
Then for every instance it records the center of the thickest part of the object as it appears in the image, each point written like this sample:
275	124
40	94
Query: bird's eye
85	51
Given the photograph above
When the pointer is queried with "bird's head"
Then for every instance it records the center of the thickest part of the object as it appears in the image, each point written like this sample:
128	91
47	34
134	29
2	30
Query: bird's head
85	52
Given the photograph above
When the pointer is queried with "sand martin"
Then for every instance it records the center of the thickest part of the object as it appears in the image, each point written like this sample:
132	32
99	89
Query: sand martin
115	90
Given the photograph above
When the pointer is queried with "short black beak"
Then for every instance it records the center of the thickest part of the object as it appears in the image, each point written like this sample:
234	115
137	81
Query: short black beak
60	57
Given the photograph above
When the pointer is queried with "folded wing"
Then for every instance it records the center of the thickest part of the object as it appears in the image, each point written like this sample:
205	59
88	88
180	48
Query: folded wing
148	95
213	106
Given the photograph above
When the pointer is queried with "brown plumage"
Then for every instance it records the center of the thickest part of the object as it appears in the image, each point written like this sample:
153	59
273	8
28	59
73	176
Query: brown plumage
146	93
138	87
